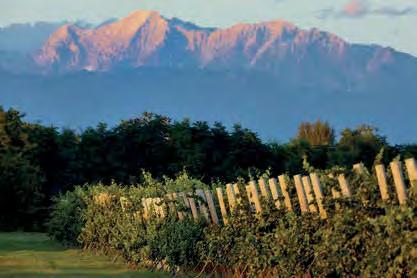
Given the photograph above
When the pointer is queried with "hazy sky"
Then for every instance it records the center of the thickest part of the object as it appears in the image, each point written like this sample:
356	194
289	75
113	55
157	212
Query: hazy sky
386	22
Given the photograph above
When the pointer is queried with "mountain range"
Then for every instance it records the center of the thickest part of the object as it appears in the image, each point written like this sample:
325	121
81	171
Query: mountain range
268	76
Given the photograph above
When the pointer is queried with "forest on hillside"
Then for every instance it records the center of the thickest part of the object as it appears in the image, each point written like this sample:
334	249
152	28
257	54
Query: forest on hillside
38	162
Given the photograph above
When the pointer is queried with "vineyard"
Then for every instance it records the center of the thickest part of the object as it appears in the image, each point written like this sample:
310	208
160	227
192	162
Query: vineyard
322	223
249	142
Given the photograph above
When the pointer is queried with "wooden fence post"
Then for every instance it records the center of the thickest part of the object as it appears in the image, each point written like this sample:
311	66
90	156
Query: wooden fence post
318	192
201	204
274	191
184	198
175	198
412	175
154	207
309	193
382	181
222	204
396	168
344	185
163	207
149	205
171	204
284	189
253	196
193	207
160	207
411	166
302	199
264	188
359	168
336	193
237	193
231	197
145	209
212	208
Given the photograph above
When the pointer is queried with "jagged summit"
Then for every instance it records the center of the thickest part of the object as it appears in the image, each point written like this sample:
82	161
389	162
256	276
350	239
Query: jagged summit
147	39
142	15
133	38
138	18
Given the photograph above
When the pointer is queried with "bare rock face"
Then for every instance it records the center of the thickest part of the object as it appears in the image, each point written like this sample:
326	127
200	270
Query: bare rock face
133	40
146	39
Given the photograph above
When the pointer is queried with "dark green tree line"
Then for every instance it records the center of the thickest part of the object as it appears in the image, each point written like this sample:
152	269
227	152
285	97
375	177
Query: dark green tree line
37	162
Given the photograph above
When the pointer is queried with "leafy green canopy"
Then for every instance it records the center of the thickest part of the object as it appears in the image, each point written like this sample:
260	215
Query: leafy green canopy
37	162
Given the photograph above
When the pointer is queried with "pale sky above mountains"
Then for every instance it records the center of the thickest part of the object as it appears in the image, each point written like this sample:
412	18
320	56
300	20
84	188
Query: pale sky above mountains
385	22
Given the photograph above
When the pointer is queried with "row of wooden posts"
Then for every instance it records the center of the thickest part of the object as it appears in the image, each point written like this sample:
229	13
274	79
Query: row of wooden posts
308	188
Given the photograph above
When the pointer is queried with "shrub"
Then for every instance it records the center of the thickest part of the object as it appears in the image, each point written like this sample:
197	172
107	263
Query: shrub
66	220
361	237
277	241
114	224
174	242
111	229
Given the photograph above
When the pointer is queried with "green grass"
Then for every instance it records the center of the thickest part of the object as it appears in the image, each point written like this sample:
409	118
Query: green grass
35	255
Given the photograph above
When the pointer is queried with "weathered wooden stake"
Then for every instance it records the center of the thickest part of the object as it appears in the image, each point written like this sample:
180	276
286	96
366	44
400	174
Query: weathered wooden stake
201	204
185	201
163	207
344	185
274	191
264	189
336	193
359	168
193	207
160	207
171	205
231	197
150	206
222	204
411	166
284	189
382	181
237	193
153	207
176	198
145	209
302	199
318	192
309	193
253	196
397	174
212	208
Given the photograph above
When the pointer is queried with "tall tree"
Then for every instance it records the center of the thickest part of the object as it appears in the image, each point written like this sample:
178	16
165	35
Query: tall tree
317	133
361	144
20	179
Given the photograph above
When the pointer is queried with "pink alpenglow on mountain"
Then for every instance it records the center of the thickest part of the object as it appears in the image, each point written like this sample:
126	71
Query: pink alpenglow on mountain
146	39
132	39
